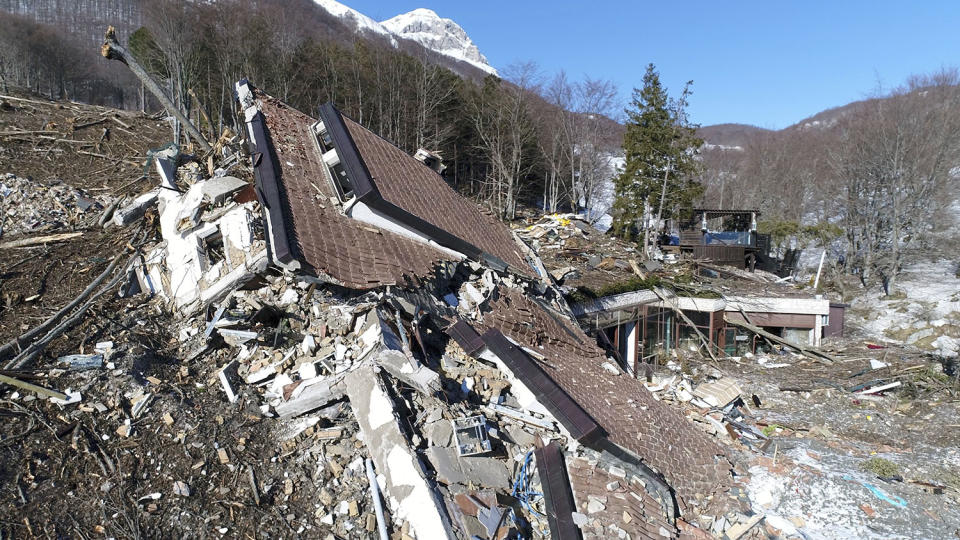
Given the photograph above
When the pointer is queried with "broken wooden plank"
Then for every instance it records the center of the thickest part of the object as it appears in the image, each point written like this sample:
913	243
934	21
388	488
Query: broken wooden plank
880	388
33	388
37	240
740	529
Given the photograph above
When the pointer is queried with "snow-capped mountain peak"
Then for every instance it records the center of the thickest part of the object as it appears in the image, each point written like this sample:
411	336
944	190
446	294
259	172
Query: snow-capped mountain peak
361	22
438	34
422	25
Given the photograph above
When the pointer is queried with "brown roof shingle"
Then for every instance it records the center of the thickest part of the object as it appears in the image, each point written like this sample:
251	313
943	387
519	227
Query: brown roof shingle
625	503
690	461
354	253
414	187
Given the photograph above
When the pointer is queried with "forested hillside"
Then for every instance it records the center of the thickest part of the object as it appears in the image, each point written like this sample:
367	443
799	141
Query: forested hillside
876	179
520	139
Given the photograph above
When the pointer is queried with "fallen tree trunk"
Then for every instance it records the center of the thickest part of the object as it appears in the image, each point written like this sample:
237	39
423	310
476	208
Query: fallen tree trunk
32	387
706	342
37	240
37	347
42	327
809	352
112	50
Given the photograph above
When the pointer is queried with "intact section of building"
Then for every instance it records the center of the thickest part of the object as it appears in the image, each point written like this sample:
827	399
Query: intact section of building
641	326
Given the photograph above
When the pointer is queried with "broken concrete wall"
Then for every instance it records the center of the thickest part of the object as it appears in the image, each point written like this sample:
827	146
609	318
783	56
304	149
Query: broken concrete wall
399	472
210	244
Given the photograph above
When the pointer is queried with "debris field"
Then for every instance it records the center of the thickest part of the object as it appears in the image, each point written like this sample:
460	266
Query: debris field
283	337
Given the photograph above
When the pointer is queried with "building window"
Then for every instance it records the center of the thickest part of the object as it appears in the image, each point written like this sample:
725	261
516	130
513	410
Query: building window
335	172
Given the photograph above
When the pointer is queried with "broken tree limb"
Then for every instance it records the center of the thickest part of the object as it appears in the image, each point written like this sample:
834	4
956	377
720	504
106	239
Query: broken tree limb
88	124
706	342
45	325
34	350
112	50
24	100
747	318
18	132
200	108
809	352
38	240
32	387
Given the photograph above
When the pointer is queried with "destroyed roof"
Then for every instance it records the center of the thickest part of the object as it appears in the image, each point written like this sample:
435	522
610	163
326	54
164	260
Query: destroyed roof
415	194
308	227
613	500
632	418
756	286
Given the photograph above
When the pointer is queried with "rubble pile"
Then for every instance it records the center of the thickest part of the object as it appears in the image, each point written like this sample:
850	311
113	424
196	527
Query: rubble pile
294	346
578	255
28	206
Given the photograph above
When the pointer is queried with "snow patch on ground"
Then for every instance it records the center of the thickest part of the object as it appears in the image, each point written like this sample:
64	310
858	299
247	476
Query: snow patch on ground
926	314
818	500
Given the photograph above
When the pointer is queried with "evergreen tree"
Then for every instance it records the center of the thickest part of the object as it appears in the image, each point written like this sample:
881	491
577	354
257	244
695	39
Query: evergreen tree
660	146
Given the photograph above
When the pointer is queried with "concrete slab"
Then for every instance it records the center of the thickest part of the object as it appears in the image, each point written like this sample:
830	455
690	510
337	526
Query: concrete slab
484	472
404	483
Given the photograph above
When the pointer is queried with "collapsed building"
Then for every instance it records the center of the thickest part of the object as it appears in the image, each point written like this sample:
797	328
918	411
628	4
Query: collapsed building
715	309
477	393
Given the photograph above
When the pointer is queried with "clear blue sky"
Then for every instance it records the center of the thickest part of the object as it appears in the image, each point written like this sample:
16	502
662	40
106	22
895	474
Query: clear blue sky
769	63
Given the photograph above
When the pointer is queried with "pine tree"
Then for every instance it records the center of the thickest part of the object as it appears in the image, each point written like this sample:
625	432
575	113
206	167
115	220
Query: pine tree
660	146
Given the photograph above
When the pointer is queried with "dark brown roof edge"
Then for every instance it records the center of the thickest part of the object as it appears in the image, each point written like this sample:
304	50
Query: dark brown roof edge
465	336
568	412
366	190
557	493
266	176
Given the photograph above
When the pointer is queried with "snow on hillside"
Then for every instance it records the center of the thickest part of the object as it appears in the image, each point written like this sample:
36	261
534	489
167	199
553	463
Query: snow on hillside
708	146
438	34
422	25
361	22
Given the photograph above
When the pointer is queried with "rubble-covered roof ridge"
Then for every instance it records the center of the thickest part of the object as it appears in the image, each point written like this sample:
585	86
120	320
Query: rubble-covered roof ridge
661	437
